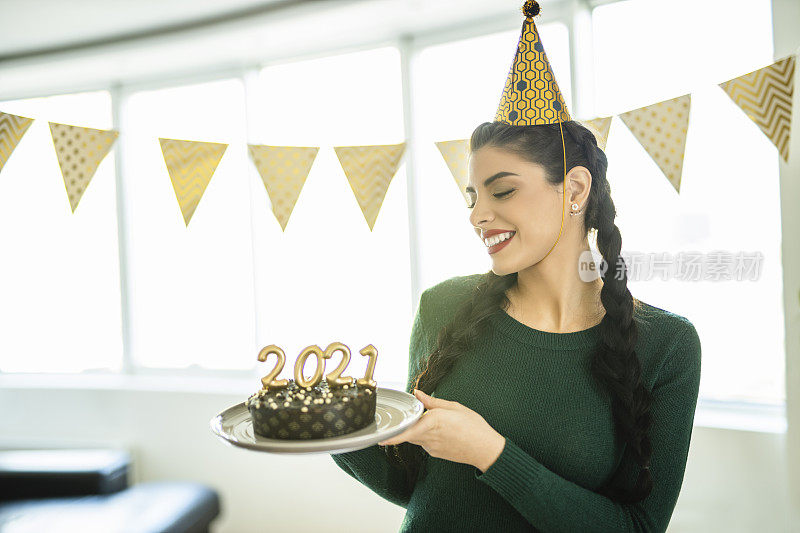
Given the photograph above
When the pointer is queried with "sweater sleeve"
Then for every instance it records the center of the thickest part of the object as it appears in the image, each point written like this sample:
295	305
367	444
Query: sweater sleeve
370	466
552	503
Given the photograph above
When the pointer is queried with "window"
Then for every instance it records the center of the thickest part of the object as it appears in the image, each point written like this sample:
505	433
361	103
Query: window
727	202
328	278
59	279
191	298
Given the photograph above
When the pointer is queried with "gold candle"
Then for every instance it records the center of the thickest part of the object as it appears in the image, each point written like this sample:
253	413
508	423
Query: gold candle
335	378
371	352
301	362
269	380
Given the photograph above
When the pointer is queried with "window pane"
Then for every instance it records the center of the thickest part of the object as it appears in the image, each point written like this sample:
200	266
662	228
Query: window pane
192	296
59	280
327	277
459	87
726	203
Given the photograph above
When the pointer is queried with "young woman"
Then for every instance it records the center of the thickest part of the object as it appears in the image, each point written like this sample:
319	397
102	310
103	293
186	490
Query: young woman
561	403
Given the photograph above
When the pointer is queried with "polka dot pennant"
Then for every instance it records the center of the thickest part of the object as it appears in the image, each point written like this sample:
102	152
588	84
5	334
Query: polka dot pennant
190	165
765	95
456	155
600	127
370	170
79	152
531	94
661	129
12	128
284	170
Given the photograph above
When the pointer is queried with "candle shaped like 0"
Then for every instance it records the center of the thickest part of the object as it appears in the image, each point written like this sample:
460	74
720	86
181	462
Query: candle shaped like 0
301	362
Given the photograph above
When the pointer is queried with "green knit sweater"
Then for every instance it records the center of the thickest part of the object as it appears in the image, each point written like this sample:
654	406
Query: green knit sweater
560	444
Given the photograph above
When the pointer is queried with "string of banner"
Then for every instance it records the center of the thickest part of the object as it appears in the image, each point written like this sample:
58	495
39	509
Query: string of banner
765	96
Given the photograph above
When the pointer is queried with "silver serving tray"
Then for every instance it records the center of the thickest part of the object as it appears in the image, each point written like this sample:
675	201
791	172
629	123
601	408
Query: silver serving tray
395	411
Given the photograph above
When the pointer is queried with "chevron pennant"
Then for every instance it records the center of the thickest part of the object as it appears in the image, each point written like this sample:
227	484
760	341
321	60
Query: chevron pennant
12	128
456	155
190	165
661	130
79	152
370	169
284	170
765	95
600	127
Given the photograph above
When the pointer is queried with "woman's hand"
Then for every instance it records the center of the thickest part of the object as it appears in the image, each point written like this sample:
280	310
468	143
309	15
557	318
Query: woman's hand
448	430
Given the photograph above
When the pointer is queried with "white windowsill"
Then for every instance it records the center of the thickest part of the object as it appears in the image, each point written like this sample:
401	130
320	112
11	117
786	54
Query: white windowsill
742	416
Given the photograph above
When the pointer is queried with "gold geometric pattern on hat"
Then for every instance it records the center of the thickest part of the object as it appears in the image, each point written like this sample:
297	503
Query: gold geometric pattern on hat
190	165
12	128
531	94
765	95
456	155
284	170
661	129
79	152
369	170
600	128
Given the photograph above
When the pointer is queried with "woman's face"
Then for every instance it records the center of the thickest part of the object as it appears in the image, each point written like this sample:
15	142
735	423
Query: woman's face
520	200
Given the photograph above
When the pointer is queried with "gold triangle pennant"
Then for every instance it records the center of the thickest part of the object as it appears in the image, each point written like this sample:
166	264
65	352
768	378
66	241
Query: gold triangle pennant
456	155
79	152
12	128
284	170
661	130
370	170
600	127
765	95
190	165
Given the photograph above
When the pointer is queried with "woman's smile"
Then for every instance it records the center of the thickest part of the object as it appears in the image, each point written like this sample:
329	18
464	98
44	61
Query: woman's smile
500	245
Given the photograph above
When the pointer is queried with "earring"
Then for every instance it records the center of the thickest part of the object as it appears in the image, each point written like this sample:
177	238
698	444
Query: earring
574	207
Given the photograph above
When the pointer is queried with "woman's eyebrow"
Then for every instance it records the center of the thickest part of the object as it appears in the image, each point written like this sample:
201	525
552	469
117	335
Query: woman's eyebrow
490	179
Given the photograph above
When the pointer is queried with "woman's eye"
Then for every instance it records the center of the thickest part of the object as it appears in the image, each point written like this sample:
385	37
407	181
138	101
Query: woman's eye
498	195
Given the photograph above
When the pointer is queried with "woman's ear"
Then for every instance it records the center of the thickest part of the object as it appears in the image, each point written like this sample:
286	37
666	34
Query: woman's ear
579	183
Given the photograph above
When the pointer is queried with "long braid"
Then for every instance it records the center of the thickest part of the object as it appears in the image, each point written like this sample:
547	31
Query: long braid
615	364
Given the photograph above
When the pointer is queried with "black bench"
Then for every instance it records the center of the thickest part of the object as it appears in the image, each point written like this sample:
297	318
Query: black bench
88	490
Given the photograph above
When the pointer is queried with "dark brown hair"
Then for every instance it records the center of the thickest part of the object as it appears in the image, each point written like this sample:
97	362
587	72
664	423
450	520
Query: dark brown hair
614	365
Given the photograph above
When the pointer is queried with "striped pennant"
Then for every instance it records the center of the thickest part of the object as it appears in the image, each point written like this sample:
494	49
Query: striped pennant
12	128
370	169
600	127
456	155
284	170
79	152
765	95
190	165
661	130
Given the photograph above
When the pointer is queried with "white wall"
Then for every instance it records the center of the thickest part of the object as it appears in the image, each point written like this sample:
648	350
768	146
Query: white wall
735	480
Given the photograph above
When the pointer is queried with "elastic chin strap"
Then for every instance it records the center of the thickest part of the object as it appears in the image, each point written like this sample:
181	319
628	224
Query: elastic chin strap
564	206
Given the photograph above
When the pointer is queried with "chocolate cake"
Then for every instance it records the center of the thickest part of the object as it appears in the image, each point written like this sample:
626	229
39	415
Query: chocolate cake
298	413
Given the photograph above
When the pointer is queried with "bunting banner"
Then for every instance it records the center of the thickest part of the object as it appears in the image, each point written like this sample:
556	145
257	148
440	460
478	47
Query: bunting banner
12	128
600	127
284	170
370	170
661	130
79	152
190	165
765	95
456	156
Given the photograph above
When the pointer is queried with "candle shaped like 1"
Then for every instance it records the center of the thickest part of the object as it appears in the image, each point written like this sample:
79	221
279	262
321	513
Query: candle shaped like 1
367	381
301	362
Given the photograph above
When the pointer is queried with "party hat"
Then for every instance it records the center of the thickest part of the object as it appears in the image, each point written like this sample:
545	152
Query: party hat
531	96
